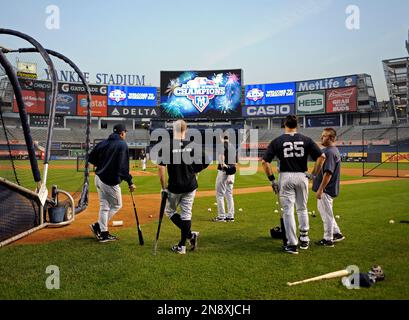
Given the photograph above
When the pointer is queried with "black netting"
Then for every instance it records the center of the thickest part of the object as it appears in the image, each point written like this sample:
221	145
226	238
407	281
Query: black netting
386	152
18	213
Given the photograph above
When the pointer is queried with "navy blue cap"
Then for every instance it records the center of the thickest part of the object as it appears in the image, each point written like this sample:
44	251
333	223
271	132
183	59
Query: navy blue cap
118	128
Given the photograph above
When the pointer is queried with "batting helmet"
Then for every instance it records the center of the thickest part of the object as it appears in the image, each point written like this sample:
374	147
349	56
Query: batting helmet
230	170
276	233
376	273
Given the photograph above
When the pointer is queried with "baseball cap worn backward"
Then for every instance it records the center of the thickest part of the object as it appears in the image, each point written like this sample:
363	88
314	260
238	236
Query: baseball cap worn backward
118	128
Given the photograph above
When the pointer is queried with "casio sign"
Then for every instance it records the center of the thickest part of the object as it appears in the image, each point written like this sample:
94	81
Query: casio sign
268	110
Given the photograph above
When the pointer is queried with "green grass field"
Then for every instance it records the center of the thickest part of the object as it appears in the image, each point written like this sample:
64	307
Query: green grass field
234	261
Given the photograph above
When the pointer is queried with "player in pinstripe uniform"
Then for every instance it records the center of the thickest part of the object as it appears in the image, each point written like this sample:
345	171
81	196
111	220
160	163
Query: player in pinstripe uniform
293	149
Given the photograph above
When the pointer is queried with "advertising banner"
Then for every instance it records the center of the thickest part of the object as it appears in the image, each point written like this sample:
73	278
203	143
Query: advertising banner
401	157
80	89
323	121
134	112
66	104
312	102
342	100
36	85
329	83
268	111
37	120
213	94
34	101
121	96
98	106
272	93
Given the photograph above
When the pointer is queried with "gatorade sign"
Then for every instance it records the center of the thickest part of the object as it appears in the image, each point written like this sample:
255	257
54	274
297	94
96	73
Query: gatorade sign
312	102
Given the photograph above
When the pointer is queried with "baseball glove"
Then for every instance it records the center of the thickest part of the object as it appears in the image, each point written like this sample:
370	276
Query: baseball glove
231	169
276	233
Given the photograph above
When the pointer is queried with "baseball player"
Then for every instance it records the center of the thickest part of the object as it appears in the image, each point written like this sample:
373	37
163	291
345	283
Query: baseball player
143	161
182	185
326	186
226	170
111	158
292	149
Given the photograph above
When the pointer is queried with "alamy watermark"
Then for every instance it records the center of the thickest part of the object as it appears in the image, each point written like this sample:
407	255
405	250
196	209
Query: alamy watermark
353	20
352	281
205	147
52	22
53	280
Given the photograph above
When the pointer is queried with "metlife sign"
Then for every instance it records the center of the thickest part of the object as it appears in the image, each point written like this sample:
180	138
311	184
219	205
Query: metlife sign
310	102
122	96
268	111
329	83
269	94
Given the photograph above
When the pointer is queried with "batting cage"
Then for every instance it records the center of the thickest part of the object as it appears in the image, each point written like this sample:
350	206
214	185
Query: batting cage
385	152
27	200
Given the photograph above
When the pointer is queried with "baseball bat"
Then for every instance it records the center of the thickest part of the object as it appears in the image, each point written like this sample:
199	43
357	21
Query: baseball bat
141	242
331	275
164	196
282	221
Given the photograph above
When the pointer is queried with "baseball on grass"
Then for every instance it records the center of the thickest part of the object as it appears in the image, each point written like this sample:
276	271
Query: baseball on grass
275	211
391	221
277	202
337	217
215	203
240	209
210	209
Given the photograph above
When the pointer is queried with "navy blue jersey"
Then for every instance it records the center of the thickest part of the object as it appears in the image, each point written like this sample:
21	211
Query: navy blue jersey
111	158
331	165
292	149
182	175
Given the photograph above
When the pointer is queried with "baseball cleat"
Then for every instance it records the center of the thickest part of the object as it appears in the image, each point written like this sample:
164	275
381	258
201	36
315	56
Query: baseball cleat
193	240
177	249
107	237
304	245
218	219
325	243
290	249
229	219
96	230
338	237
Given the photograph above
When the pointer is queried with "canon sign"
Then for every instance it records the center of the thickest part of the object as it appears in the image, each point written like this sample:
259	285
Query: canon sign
268	111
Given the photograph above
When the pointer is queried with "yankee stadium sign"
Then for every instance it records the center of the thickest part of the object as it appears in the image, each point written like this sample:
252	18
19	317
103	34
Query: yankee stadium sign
100	78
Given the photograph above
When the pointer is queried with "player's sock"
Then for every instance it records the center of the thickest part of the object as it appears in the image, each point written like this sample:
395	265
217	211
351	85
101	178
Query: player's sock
185	232
177	220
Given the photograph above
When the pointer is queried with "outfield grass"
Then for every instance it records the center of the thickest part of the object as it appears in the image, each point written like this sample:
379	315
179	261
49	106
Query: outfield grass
70	180
233	261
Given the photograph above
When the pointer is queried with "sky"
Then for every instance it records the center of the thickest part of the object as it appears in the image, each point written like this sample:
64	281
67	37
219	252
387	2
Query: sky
270	40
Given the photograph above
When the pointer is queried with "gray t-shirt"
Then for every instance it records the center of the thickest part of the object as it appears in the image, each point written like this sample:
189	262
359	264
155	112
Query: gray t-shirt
332	165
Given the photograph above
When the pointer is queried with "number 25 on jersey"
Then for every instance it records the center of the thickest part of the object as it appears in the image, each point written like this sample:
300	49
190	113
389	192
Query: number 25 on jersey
293	149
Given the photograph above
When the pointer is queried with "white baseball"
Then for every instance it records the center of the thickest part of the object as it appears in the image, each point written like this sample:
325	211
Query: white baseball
275	211
240	209
391	221
210	209
337	217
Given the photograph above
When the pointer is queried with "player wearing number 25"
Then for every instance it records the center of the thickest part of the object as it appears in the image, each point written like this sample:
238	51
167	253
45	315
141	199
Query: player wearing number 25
292	150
